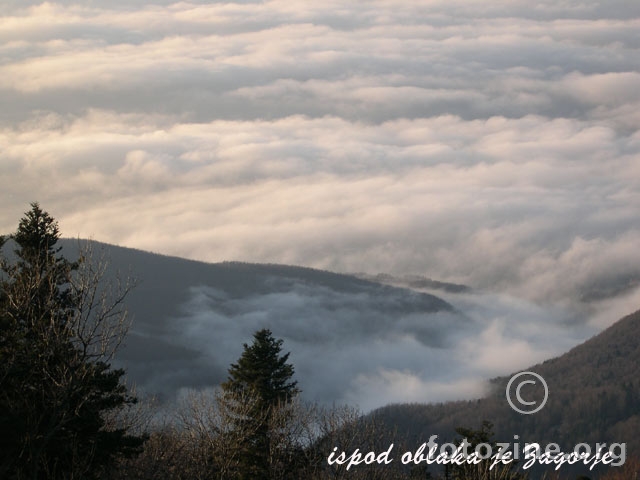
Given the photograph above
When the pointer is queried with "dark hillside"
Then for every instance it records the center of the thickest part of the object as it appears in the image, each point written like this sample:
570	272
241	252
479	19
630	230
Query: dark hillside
594	396
191	318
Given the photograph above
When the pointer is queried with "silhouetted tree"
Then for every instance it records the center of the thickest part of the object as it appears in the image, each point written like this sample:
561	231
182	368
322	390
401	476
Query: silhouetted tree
58	332
262	375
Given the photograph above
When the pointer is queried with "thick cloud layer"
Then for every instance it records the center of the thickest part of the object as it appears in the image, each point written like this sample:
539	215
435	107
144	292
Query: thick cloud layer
494	144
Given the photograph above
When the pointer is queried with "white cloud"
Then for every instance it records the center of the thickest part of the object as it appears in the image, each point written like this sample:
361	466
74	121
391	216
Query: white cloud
494	144
502	203
393	386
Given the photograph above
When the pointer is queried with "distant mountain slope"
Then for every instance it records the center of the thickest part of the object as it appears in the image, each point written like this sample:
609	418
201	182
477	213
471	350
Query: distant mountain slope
191	319
415	281
594	396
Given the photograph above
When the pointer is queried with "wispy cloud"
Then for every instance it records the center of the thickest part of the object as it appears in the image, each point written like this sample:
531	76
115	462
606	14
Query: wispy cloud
350	341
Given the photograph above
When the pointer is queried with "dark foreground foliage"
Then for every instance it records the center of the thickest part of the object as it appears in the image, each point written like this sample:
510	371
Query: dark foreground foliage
56	384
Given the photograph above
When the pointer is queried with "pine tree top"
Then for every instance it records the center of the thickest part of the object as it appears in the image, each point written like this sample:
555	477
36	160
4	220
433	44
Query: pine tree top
37	235
263	371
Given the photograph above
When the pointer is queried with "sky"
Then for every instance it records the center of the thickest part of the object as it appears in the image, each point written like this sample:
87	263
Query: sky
494	144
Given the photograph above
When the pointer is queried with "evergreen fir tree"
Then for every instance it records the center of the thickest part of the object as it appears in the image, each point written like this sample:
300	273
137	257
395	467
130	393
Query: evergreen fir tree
258	384
54	389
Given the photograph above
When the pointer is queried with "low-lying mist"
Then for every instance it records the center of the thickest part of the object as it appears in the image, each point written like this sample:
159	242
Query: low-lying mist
351	340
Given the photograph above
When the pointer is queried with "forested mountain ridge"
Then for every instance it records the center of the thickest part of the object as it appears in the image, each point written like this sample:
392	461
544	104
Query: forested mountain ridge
594	396
181	307
190	318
